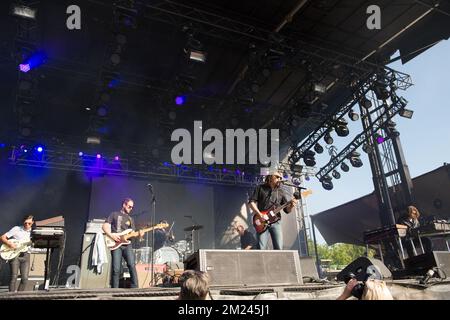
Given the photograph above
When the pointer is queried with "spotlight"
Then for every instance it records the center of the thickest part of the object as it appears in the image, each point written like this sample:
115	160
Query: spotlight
381	92
336	174
2	145
80	154
23	11
116	158
379	139
344	167
406	113
180	100
341	128
39	149
353	115
24	67
99	156
198	56
93	140
319	88
328	139
365	103
327	184
355	160
35	60
318	148
296	181
308	158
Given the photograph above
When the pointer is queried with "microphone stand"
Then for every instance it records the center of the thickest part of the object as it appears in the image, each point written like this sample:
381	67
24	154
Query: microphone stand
152	223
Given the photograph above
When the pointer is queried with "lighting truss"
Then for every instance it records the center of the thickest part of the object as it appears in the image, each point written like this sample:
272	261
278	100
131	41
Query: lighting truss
383	117
398	79
63	159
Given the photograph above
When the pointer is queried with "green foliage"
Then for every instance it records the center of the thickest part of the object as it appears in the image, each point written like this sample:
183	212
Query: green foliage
339	254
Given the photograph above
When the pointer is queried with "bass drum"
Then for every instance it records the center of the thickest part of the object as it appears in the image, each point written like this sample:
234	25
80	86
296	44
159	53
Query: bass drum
165	255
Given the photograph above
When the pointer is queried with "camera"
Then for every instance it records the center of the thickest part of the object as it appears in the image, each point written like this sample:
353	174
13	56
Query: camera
358	289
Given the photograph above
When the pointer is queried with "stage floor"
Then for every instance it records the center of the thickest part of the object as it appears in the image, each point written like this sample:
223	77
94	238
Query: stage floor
401	290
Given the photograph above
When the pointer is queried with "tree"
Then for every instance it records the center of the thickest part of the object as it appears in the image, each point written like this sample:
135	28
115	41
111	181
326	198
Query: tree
340	253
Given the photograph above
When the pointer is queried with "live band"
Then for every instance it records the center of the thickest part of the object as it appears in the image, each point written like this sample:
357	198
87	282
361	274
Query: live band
267	202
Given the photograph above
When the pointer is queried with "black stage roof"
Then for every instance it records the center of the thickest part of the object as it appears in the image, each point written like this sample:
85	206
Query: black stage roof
258	60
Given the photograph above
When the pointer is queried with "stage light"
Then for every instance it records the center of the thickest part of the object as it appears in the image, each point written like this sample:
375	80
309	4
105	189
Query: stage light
224	170
172	115
341	128
367	148
99	156
318	148
198	56
307	178
93	140
355	160
328	139
327	184
80	154
39	149
23	11
180	100
116	158
336	174
35	60
365	103
379	139
296	181
102	111
353	115
345	167
319	88
308	158
406	113
24	67
2	145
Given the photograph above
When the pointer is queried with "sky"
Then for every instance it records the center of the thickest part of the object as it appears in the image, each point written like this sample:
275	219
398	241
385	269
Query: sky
425	138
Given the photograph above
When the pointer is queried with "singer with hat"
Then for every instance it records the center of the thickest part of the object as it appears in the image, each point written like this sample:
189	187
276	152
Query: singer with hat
265	197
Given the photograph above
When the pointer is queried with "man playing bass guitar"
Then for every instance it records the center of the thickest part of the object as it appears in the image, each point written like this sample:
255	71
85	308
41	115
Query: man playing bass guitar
266	202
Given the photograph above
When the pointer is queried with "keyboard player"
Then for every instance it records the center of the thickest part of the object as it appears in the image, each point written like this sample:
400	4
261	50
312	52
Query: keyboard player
411	242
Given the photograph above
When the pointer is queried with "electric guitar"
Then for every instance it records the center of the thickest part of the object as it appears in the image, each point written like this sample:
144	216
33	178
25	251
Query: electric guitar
127	234
8	253
266	218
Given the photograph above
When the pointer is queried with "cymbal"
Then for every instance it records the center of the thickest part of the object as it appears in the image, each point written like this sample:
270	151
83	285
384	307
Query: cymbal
194	227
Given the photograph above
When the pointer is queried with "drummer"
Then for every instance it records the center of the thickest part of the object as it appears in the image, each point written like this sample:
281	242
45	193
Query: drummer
162	236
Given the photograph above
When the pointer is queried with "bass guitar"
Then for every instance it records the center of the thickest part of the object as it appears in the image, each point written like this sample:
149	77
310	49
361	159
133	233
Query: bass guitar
8	253
128	234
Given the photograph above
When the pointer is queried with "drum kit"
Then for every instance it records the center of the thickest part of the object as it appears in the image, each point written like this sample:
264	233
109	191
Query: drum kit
175	253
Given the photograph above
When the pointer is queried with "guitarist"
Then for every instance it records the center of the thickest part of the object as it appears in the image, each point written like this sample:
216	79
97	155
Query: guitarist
22	261
265	197
118	222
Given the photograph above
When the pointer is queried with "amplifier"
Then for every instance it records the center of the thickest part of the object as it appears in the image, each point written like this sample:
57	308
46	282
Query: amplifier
248	267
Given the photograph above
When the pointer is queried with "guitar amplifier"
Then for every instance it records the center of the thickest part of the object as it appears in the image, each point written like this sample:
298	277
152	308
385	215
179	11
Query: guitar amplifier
248	267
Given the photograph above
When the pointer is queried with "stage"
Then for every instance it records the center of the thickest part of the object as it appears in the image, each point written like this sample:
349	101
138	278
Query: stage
401	290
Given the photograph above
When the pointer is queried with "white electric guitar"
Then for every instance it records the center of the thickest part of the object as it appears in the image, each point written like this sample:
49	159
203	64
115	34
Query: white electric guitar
127	234
8	253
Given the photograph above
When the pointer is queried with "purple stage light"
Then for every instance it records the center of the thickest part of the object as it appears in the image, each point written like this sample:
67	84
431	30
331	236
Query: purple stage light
238	172
380	139
179	100
99	155
116	158
24	67
80	153
166	164
25	150
2	145
224	170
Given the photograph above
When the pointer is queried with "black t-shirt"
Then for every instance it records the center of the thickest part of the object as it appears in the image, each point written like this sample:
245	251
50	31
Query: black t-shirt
248	239
160	238
266	197
120	221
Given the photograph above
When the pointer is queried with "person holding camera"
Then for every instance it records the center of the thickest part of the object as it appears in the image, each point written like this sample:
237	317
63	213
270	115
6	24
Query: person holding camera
371	289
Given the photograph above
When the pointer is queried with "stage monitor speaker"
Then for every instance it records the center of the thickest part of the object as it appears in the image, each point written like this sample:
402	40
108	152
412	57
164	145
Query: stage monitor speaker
363	266
90	279
419	265
144	272
248	267
308	266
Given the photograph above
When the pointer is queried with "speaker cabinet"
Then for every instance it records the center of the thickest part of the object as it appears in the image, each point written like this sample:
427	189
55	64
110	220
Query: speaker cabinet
419	265
308	266
90	279
248	267
359	268
144	272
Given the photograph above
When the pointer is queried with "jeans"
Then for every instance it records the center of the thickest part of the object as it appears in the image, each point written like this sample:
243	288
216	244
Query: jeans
127	253
21	262
277	237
